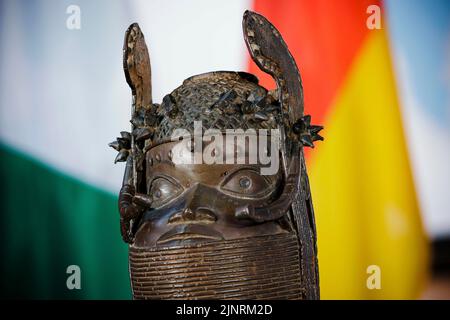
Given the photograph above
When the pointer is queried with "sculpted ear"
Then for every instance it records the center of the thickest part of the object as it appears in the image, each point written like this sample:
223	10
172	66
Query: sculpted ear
269	51
136	64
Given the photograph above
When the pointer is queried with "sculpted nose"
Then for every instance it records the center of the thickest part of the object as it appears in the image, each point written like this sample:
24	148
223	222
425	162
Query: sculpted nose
195	208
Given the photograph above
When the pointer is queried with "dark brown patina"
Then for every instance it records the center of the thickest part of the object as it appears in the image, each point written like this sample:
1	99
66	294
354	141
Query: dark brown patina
219	230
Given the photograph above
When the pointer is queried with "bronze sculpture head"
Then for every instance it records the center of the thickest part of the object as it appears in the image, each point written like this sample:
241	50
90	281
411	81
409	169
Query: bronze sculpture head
203	219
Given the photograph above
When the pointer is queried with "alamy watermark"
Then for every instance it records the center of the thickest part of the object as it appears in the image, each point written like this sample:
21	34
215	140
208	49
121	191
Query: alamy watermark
73	21
374	19
374	279
234	146
74	279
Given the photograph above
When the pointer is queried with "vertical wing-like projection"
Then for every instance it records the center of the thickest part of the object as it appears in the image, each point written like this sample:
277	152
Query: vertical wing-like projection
269	51
136	64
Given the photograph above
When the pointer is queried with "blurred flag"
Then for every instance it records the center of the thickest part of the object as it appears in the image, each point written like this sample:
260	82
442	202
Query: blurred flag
362	187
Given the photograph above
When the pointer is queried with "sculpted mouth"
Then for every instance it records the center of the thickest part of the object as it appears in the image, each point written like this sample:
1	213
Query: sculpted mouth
190	232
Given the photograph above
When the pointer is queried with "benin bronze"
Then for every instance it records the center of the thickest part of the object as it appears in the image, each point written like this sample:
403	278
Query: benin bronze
210	228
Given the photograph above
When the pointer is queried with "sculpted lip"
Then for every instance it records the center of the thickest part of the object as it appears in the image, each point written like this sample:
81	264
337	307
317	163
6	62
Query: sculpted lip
190	232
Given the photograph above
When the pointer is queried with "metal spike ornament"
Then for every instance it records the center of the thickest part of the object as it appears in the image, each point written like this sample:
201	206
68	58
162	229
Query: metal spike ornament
306	132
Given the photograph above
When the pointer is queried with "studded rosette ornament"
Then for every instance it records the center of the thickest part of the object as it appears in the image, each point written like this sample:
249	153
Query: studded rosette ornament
202	229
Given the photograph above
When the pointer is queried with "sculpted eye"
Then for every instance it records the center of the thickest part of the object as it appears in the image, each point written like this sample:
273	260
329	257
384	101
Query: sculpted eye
246	182
163	190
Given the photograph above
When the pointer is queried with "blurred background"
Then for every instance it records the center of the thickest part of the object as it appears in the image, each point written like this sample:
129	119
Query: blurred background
378	81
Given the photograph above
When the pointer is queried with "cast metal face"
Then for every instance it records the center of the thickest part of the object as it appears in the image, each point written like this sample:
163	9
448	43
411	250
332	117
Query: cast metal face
194	203
220	230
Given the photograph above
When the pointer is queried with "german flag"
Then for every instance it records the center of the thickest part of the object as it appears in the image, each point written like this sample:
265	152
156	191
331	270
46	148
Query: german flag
367	214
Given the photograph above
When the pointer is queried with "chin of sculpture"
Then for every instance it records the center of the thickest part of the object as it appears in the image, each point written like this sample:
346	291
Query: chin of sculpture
204	216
